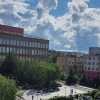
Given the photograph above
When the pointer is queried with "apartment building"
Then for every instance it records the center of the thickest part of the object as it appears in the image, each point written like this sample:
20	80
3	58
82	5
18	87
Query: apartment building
70	61
13	40
92	63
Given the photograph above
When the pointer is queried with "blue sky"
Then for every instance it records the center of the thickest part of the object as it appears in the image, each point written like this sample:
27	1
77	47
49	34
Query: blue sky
70	25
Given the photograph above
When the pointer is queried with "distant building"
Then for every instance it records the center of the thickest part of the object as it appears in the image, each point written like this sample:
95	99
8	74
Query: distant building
12	40
92	63
94	50
70	61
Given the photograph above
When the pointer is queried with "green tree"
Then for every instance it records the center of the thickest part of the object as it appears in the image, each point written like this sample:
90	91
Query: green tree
9	65
34	73
7	89
72	78
52	59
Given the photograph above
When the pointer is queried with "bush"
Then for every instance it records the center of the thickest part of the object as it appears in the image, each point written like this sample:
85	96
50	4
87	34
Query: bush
7	89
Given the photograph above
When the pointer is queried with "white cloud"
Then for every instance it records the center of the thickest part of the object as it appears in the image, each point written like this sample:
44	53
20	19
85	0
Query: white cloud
61	30
47	4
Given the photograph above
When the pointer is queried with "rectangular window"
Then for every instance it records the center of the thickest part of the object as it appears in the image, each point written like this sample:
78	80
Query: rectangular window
0	49
32	52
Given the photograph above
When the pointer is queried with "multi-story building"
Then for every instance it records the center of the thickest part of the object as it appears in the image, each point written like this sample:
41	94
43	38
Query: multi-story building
13	40
92	63
70	61
94	50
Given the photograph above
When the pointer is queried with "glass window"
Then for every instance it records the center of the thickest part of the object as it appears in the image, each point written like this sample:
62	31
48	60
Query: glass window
27	44
0	49
23	43
88	68
38	45
17	42
10	50
0	40
23	51
30	44
32	52
89	58
46	46
35	44
7	49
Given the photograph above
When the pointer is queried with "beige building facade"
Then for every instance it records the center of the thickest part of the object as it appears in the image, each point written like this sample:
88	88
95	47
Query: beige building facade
69	62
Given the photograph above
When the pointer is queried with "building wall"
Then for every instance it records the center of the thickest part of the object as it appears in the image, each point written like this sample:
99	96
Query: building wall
92	66
61	62
5	29
23	47
70	62
94	50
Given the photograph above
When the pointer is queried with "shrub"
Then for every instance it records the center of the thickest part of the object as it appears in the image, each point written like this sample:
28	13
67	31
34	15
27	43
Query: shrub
7	89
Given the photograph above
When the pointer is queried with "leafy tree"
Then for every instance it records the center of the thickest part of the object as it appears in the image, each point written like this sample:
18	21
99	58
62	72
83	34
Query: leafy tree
7	89
9	65
34	73
30	73
52	59
72	78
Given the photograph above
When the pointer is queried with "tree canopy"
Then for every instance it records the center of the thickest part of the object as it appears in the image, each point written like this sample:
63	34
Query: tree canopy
7	89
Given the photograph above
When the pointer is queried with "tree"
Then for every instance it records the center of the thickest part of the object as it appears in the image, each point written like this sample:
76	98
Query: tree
84	80
52	59
7	89
9	65
72	78
30	73
34	73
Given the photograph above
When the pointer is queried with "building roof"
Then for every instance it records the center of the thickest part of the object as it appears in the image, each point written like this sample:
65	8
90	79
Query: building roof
5	29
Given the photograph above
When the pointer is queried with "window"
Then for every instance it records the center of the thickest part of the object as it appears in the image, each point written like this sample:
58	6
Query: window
40	52
0	40
38	45
30	44
7	42
7	49
46	46
14	42
93	63
10	50
35	52
27	44
18	51
89	58
89	63
92	68
88	68
21	51
32	52
35	44
23	43
0	49
18	43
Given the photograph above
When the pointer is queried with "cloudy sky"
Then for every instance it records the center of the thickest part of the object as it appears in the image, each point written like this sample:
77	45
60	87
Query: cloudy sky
71	25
